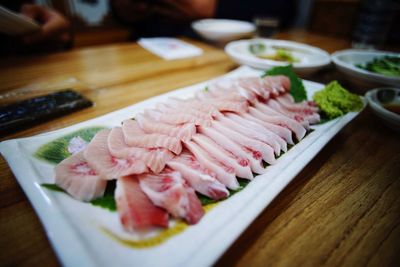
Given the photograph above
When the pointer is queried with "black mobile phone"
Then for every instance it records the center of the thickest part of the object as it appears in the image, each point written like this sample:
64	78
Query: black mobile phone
25	113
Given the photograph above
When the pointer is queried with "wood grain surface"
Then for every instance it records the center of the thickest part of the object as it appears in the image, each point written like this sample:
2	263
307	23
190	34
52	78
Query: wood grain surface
343	209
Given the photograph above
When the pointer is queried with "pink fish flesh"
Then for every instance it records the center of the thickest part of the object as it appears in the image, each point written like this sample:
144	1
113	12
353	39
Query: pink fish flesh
225	174
135	210
100	159
75	176
135	136
169	191
199	178
241	154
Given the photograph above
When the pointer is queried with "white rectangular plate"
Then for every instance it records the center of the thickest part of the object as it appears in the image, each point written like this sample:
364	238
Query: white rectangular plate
74	228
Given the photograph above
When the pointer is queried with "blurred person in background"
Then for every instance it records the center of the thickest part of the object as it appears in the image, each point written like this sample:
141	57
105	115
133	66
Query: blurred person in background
149	18
54	33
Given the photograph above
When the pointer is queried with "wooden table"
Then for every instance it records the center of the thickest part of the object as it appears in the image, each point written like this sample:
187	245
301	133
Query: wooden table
342	209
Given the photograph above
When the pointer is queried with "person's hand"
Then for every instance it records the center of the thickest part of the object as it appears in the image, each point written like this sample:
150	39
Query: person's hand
54	26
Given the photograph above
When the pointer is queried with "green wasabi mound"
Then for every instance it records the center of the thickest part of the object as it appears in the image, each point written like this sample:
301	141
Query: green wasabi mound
336	101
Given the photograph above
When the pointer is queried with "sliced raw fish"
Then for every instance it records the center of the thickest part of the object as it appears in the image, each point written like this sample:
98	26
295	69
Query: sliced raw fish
117	146
75	176
183	132
278	83
259	128
199	114
291	124
251	133
255	85
223	156
225	174
221	94
135	210
231	88
154	158
157	158
305	106
242	155
176	118
204	107
100	159
199	178
232	106
169	191
293	115
135	136
257	148
283	132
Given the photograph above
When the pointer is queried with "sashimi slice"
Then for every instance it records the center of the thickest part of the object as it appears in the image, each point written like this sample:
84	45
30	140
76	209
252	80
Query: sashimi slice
135	136
306	109
225	174
251	133
157	158
200	106
221	155
100	159
259	128
75	176
200	179
283	132
183	132
221	94
294	115
169	191
154	158
292	125
232	106
254	84
279	83
227	87
243	157
198	113
259	149
176	118
305	106
135	210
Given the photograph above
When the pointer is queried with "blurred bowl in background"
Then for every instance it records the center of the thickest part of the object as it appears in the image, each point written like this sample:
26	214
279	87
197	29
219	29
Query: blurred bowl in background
346	61
264	54
385	103
223	30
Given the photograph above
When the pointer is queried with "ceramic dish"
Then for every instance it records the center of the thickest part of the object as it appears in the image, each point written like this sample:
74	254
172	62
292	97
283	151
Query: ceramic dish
346	61
385	103
223	30
307	58
86	235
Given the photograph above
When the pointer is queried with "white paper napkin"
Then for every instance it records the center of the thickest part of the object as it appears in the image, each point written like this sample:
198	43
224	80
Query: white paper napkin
170	48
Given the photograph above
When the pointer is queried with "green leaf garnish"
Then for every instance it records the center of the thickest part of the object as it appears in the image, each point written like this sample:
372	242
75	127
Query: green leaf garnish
57	150
53	187
107	201
297	89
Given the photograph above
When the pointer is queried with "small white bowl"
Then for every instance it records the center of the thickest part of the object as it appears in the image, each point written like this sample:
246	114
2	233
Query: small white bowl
380	97
310	58
223	30
345	61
